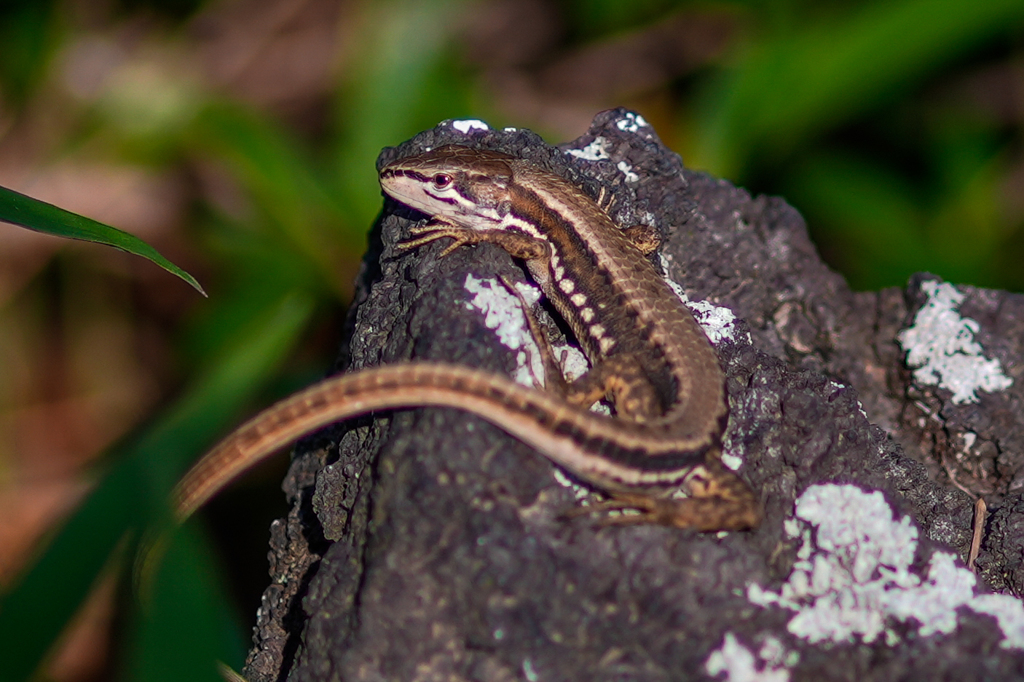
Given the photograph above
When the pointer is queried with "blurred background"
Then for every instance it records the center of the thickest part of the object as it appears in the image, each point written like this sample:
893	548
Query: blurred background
239	138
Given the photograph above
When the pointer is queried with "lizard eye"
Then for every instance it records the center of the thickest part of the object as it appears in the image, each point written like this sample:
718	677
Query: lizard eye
442	180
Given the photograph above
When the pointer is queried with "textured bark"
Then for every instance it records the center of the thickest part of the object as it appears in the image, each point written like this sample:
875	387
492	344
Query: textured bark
427	544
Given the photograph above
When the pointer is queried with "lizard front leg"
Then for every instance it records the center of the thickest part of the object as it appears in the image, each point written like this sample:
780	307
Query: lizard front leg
517	244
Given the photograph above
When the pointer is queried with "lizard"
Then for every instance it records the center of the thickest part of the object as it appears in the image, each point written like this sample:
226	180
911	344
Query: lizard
649	358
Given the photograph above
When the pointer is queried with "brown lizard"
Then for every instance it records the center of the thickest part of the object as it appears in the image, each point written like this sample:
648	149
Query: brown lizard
649	358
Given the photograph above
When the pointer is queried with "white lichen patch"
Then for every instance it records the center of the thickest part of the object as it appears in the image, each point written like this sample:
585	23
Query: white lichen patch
941	349
853	577
1008	612
627	171
504	314
739	664
466	125
631	122
731	460
718	322
572	360
595	151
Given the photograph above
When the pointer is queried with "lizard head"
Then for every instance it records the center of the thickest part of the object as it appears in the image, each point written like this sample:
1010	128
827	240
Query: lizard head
467	186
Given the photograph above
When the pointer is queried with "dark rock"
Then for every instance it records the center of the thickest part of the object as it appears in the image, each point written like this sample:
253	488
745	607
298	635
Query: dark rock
428	544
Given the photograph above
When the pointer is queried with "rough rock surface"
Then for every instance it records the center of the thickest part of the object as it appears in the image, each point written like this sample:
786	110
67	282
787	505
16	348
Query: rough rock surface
427	544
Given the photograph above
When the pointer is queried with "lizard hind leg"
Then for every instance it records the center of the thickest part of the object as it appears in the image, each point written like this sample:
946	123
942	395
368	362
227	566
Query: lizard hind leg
554	379
717	500
611	377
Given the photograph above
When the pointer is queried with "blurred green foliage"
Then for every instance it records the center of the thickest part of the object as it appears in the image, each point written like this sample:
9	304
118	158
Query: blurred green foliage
26	43
845	116
848	109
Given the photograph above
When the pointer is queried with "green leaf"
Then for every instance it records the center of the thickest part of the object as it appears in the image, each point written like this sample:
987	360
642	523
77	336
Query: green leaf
40	216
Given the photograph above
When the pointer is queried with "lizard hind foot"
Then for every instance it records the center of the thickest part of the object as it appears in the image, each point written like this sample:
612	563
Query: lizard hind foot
702	514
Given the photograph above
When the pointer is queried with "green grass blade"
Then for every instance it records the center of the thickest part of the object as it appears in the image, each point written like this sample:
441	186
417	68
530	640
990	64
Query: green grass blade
18	209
